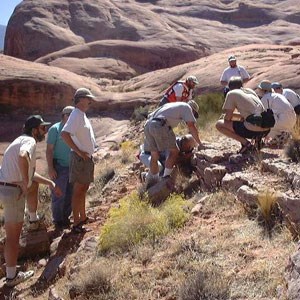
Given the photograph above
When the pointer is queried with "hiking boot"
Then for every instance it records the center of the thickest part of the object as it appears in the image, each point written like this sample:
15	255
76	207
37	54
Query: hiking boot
20	277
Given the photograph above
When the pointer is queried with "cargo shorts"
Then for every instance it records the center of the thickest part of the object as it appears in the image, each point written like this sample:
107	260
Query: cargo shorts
81	171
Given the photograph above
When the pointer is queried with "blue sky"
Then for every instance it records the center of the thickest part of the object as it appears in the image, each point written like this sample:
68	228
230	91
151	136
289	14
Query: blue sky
6	10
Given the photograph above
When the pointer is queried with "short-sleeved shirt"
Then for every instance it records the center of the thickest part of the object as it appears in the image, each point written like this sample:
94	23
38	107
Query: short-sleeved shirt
247	103
229	72
10	170
282	109
291	96
174	113
81	131
178	90
61	151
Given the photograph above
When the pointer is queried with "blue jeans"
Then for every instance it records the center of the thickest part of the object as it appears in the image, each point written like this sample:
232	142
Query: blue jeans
61	206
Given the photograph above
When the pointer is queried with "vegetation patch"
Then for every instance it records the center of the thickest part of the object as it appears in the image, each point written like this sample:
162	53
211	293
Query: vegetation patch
135	220
128	148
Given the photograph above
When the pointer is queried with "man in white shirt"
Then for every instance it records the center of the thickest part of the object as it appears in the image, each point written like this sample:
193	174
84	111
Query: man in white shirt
289	94
17	175
284	114
234	70
78	134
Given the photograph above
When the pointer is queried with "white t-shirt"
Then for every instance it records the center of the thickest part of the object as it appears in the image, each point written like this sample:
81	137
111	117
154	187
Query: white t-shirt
178	90
174	113
237	71
82	134
284	114
10	170
291	96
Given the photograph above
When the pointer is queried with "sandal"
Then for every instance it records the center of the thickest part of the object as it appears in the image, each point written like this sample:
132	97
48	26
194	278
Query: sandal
87	220
77	229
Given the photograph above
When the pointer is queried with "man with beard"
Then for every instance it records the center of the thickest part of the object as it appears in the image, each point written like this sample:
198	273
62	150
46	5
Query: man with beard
17	175
234	70
180	91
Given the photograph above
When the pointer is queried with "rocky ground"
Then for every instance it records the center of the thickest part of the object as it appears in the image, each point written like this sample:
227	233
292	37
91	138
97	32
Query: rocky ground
224	228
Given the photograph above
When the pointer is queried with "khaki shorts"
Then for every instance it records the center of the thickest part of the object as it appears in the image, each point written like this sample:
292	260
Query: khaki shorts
158	137
13	207
81	171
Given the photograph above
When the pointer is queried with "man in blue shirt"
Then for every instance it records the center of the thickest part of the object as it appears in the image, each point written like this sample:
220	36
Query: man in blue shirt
58	156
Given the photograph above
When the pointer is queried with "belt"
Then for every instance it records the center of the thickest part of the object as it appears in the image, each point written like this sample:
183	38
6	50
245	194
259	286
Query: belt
161	120
9	184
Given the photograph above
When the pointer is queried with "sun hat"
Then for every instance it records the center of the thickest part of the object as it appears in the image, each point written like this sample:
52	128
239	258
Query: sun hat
35	121
276	85
67	110
265	85
231	58
193	79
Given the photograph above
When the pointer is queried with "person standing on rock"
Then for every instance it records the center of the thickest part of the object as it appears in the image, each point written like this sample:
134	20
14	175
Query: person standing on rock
284	114
180	91
235	124
58	160
17	174
78	134
233	70
159	135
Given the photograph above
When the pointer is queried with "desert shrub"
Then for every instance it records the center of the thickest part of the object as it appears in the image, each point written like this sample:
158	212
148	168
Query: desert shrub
210	108
266	207
140	113
93	282
135	220
127	152
207	284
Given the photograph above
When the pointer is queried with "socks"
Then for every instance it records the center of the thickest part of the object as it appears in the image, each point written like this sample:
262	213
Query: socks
33	216
167	172
11	272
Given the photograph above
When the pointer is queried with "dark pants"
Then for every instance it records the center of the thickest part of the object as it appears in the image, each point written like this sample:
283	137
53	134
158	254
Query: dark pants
61	206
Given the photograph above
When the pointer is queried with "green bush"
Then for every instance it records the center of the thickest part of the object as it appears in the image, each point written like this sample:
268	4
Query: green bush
135	220
210	107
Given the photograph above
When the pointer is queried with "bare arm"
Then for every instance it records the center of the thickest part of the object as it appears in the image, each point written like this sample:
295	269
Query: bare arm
66	136
49	155
24	167
246	80
43	180
194	131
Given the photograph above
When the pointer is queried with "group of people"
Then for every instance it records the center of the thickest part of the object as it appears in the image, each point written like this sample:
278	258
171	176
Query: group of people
70	148
265	116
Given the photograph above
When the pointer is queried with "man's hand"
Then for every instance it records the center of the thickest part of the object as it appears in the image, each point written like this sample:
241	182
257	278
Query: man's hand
200	147
55	189
52	173
83	155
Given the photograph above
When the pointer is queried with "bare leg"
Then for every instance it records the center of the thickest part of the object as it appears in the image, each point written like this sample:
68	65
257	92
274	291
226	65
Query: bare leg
154	169
171	159
226	128
32	197
11	248
78	202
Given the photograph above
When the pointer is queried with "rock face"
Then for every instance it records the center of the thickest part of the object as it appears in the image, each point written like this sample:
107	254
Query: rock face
38	28
34	86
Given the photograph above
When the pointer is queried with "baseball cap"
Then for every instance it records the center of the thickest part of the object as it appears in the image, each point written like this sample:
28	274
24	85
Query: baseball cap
67	110
231	58
265	85
193	79
34	121
276	85
83	93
